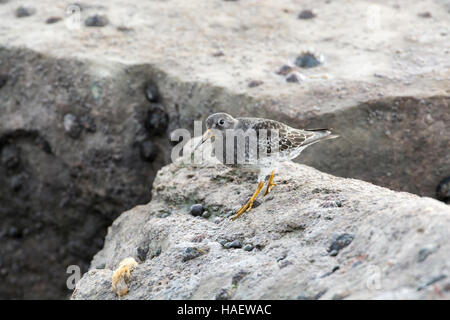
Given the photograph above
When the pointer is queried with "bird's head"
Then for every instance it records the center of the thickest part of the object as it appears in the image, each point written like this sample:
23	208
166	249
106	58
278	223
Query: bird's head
217	122
220	121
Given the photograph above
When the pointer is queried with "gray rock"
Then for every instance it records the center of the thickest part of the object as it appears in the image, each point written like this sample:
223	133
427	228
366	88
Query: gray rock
380	224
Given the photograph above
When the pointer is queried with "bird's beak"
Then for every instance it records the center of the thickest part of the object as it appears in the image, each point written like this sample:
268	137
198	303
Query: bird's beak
208	134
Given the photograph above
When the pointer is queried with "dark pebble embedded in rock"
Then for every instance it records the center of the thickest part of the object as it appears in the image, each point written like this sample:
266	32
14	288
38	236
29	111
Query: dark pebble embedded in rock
72	125
142	253
443	190
3	80
293	78
339	243
306	14
52	20
255	83
148	150
285	70
22	12
423	254
96	21
156	121
307	60
218	54
152	93
192	253
196	209
10	156
335	268
282	256
425	14
233	244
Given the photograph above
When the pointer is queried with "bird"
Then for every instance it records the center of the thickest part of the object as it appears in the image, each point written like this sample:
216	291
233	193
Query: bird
257	144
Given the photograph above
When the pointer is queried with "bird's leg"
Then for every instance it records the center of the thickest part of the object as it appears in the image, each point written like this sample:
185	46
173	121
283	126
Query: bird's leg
270	184
248	206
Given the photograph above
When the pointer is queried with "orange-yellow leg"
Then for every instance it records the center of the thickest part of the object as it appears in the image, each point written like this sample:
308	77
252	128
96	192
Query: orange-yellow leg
248	206
270	184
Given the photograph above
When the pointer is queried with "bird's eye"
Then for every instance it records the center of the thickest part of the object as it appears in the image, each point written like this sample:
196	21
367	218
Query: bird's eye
221	122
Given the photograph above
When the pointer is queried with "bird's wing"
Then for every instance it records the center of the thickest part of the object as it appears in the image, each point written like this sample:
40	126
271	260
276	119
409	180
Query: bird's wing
284	137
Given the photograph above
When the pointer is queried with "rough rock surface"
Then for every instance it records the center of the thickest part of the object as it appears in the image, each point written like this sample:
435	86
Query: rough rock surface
315	236
82	132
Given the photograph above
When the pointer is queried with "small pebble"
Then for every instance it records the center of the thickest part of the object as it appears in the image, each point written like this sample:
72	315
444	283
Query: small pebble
307	60
306	14
255	83
423	254
192	253
339	243
233	244
142	253
292	78
196	209
22	12
425	14
52	20
285	70
282	257
248	247
96	21
218	54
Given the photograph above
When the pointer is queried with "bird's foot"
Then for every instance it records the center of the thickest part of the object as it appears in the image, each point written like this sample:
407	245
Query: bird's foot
245	208
248	206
